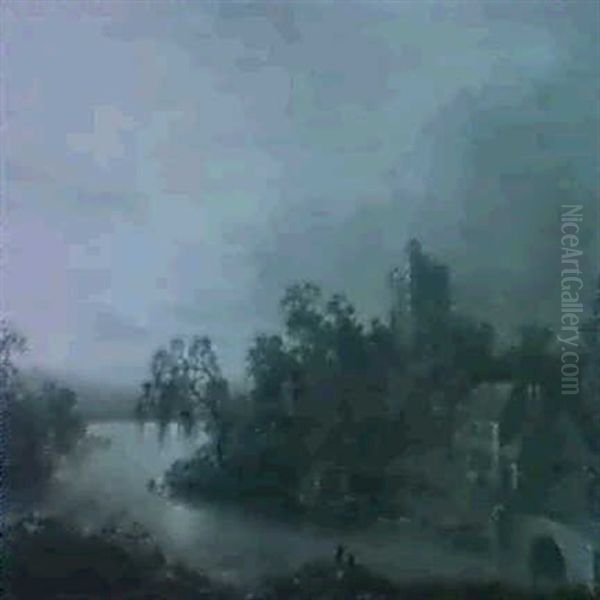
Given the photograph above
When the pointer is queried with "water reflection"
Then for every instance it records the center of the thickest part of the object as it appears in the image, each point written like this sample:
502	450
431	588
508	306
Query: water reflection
229	542
185	428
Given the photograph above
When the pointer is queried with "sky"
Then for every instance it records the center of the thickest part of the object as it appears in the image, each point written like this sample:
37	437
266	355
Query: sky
167	168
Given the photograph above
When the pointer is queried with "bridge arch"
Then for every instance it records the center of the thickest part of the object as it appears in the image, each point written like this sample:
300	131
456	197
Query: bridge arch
549	551
547	564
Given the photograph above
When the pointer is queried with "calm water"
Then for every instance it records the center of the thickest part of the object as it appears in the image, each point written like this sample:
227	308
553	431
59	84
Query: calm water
227	542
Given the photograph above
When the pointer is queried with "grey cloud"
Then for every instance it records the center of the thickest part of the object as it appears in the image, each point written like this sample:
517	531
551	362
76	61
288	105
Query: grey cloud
309	141
109	326
110	202
519	157
89	283
22	172
280	14
493	161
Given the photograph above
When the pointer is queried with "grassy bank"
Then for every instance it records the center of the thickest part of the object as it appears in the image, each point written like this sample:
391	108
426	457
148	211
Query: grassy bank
47	559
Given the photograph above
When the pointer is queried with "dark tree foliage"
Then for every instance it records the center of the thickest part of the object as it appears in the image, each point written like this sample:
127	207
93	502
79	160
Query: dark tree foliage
320	390
334	393
39	426
11	343
64	425
271	366
186	384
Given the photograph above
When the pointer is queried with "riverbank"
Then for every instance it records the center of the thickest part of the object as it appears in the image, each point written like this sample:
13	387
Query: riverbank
235	542
49	559
199	478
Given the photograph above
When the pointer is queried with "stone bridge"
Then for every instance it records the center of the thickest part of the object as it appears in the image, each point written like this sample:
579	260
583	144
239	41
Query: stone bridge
539	547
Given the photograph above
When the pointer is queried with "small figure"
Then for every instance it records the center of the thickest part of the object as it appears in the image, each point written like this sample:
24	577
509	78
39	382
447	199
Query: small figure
351	562
339	554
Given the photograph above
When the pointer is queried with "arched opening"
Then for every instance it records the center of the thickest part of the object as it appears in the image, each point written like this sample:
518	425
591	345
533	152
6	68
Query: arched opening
547	563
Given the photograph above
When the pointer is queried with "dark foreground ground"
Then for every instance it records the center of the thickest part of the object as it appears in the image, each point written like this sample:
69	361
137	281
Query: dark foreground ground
48	559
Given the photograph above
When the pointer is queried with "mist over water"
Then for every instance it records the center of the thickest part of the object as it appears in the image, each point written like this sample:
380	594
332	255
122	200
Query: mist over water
230	543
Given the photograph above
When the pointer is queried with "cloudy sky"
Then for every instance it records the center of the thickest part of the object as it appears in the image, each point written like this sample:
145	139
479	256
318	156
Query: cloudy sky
168	167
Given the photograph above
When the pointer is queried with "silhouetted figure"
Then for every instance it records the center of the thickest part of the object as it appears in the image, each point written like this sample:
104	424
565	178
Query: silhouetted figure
351	561
339	554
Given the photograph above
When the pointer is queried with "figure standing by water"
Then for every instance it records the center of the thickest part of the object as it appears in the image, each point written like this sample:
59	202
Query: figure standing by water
340	552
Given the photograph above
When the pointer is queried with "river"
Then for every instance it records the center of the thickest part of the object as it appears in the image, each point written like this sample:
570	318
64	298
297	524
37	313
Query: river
230	543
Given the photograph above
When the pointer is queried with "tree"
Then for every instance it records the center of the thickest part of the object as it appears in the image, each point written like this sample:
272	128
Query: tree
383	345
64	424
186	381
11	344
22	424
343	364
430	302
472	348
304	322
345	335
270	367
38	426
